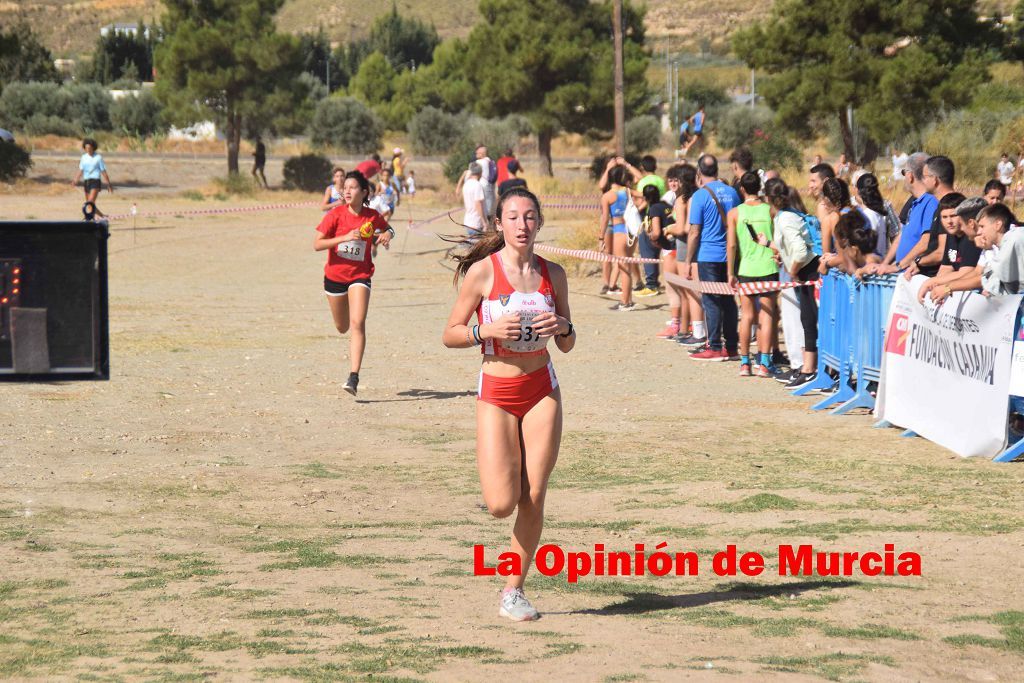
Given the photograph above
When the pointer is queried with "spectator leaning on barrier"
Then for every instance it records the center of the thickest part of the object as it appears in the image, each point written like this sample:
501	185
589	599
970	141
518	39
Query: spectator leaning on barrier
835	201
855	240
706	258
748	260
1003	273
795	248
817	176
939	175
969	279
994	191
914	238
870	203
961	252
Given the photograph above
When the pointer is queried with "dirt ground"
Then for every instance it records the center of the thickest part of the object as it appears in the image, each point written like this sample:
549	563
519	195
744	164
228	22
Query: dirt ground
222	509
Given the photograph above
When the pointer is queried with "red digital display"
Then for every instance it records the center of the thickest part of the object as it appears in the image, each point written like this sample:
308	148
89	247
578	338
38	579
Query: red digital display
10	290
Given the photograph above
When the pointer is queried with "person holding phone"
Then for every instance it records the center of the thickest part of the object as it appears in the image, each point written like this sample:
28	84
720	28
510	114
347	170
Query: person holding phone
750	261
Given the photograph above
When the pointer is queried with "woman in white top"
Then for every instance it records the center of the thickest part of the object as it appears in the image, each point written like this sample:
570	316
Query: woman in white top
332	195
871	204
794	248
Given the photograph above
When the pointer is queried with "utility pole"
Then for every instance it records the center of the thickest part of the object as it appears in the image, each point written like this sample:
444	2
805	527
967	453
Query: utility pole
753	91
620	100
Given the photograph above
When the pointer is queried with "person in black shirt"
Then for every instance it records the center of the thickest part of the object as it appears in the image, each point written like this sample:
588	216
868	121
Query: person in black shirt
259	160
957	216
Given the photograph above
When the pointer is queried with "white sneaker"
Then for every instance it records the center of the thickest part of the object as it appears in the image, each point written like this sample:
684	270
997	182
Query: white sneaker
516	607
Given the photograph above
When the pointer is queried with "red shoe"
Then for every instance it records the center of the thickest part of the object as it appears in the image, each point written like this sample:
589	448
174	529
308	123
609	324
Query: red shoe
707	354
669	332
745	370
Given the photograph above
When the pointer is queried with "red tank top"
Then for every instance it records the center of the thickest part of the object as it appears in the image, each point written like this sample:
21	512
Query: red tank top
505	299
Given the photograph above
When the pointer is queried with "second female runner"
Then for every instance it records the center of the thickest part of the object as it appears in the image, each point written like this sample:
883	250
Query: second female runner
348	232
521	302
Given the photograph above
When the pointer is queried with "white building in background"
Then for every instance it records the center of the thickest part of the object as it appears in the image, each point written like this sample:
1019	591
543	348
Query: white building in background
205	130
127	29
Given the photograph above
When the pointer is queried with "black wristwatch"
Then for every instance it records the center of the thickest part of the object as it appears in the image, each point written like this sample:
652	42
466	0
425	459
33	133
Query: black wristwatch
917	260
569	333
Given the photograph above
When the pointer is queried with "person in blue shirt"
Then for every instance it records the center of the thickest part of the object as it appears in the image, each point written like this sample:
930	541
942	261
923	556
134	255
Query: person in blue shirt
913	241
706	258
90	169
697	125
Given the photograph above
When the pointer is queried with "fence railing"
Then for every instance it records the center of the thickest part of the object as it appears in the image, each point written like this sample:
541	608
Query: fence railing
852	321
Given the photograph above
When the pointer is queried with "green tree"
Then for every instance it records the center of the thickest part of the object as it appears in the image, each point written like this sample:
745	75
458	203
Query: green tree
119	53
896	64
224	59
404	42
346	123
23	57
1015	34
552	61
320	61
374	83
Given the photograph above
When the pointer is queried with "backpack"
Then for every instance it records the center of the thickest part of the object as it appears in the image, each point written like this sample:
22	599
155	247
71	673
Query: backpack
813	226
492	172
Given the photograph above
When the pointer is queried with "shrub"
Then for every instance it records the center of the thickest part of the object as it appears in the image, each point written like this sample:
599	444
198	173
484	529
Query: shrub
43	108
88	105
236	184
773	149
309	172
346	123
695	94
139	115
19	102
737	125
643	133
15	161
973	140
432	131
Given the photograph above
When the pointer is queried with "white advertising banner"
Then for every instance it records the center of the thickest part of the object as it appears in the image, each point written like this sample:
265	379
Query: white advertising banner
946	369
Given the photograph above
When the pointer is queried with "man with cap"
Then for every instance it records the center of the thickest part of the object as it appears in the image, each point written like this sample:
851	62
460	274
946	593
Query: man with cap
960	259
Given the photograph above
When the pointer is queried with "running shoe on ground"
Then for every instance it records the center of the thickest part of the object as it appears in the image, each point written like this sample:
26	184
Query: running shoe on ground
710	355
352	384
801	379
669	332
765	371
646	292
638	286
612	292
785	377
622	307
516	607
745	370
604	290
690	341
732	355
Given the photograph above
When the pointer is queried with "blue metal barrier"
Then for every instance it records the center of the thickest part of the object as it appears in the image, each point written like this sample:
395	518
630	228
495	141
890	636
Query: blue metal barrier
871	300
828	333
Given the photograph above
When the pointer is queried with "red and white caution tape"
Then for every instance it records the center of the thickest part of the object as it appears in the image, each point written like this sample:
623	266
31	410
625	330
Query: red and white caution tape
589	255
747	288
208	212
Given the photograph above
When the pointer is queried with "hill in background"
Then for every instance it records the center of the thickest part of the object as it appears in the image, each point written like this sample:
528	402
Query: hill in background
70	29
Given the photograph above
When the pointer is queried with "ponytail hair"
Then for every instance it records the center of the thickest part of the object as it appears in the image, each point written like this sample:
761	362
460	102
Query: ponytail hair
492	240
870	195
777	193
